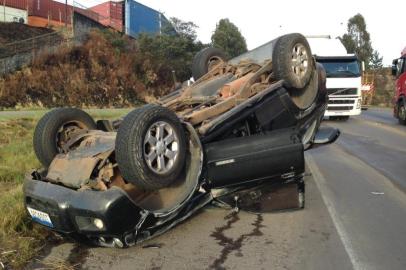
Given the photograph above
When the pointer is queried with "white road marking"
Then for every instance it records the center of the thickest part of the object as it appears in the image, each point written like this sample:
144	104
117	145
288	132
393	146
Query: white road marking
345	239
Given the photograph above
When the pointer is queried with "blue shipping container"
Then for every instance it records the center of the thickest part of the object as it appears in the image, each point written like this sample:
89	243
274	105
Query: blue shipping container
143	19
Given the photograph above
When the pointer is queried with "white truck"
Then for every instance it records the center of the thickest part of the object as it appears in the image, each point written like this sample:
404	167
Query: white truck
343	76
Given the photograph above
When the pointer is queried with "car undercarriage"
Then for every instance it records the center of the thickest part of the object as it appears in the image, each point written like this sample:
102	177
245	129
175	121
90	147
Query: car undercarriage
236	137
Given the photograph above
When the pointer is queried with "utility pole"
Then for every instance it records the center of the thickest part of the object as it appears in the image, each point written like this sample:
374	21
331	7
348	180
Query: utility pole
66	13
4	7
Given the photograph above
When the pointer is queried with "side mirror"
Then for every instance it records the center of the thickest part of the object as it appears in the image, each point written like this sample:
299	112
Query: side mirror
325	135
394	67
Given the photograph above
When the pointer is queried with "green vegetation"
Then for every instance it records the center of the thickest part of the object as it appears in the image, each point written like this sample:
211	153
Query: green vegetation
358	40
108	70
228	38
20	240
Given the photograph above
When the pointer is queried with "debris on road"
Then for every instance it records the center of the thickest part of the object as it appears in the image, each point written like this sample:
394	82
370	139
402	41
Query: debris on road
153	246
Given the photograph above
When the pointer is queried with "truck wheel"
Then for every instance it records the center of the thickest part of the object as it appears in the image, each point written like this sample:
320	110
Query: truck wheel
151	147
345	118
402	113
292	61
205	60
55	128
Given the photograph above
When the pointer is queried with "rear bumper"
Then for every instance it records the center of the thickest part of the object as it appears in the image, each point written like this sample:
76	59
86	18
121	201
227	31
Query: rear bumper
64	206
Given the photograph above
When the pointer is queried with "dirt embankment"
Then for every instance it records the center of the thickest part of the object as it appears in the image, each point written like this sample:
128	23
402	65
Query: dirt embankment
12	32
109	70
384	87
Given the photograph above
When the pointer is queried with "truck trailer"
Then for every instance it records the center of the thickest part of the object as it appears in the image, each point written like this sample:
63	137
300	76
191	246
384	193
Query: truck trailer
399	71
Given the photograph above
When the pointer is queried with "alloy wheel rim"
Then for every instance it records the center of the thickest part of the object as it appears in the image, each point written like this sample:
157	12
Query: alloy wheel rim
161	147
300	60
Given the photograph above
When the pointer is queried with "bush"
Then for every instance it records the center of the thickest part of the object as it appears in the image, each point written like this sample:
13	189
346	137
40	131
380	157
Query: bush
108	70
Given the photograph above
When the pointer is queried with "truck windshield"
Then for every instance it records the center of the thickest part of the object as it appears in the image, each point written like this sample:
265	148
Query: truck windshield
336	68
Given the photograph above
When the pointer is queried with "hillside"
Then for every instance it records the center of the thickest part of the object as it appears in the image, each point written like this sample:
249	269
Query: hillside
11	32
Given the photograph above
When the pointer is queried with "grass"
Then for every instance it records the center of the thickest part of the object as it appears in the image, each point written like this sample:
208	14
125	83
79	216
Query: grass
20	239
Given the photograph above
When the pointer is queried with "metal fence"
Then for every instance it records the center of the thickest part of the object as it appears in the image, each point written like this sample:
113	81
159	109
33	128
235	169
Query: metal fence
15	55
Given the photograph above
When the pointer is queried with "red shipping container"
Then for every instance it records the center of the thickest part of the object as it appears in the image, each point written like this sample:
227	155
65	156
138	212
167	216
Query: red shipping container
19	4
111	14
51	10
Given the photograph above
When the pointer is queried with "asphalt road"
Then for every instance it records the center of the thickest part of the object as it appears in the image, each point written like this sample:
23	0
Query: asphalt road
355	217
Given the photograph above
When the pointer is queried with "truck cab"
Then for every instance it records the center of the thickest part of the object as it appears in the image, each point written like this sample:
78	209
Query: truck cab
343	76
399	71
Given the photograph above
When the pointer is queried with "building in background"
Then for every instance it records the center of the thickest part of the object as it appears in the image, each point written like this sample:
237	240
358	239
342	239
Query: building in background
14	11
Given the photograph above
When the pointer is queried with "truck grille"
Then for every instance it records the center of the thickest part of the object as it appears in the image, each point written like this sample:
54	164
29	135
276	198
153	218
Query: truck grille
343	91
341	101
340	108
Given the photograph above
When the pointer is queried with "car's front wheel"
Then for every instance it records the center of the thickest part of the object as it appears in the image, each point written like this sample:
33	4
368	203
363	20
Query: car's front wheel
151	147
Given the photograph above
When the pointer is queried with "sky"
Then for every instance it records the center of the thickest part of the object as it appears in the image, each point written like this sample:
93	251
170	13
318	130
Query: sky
262	20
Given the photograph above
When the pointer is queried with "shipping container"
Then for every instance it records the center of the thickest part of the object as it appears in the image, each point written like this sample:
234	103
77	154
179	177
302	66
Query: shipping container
110	14
142	19
18	4
52	10
9	14
43	22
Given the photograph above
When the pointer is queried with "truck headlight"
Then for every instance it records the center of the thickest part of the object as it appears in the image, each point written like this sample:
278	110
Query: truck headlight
359	104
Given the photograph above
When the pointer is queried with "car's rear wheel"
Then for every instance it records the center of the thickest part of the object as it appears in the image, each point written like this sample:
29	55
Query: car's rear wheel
56	128
151	147
205	60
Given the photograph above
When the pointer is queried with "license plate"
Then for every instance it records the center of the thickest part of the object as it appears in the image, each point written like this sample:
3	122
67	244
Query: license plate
40	217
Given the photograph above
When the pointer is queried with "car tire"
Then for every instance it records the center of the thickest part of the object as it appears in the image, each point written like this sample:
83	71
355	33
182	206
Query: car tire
151	147
307	96
52	125
292	61
205	59
402	113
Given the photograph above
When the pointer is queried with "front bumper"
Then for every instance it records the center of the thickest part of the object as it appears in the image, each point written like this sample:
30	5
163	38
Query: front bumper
342	106
69	209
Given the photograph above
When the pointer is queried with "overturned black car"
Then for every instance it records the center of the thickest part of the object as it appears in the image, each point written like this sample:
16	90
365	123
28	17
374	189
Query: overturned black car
235	136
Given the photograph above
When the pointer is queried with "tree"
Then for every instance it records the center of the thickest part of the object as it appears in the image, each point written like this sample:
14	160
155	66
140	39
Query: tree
173	50
376	60
184	29
228	38
357	39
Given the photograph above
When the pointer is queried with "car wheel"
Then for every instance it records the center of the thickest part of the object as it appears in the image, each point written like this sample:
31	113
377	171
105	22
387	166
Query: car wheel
402	113
292	61
306	97
205	60
55	128
151	147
